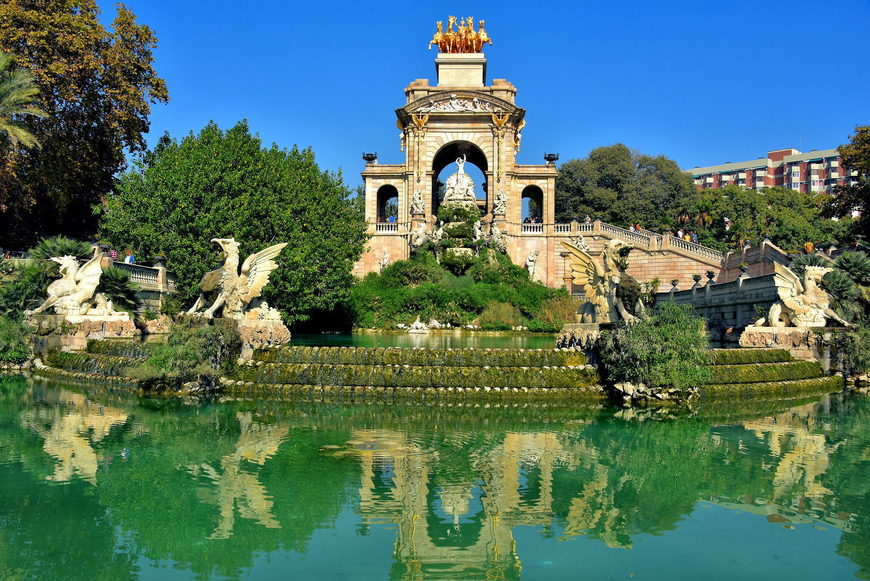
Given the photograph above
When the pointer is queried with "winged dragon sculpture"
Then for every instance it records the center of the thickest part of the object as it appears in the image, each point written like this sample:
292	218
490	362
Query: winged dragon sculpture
74	293
600	283
802	303
238	291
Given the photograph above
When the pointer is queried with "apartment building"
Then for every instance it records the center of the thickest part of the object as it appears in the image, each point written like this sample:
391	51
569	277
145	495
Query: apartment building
812	172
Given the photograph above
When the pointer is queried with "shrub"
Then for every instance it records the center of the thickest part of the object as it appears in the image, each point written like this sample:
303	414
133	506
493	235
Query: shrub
801	262
456	262
856	265
420	269
556	311
856	351
670	349
170	306
500	317
194	350
539	326
118	288
451	213
60	246
14	341
26	290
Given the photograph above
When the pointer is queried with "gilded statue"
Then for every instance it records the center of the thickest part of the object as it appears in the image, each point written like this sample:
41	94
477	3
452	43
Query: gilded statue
601	283
460	36
237	291
802	303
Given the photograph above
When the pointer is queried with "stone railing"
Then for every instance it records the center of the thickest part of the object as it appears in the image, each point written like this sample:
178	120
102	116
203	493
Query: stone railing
636	238
692	248
732	304
533	228
643	240
149	278
386	227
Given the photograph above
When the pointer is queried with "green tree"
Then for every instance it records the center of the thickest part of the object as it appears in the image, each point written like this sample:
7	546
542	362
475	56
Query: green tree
622	187
97	86
729	216
854	197
225	184
18	97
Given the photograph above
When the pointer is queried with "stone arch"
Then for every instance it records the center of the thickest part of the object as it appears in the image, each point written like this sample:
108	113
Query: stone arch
447	154
387	203
532	203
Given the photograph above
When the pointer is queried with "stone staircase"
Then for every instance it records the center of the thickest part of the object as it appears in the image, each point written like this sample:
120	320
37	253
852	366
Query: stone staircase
417	371
765	373
103	361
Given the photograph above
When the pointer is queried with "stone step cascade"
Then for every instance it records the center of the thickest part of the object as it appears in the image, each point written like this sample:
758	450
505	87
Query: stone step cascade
737	374
103	361
359	369
744	373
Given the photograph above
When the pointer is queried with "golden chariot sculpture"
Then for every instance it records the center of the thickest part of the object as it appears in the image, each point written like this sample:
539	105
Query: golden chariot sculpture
463	38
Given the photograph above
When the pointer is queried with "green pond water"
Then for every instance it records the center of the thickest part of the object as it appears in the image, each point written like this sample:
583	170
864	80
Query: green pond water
97	485
434	340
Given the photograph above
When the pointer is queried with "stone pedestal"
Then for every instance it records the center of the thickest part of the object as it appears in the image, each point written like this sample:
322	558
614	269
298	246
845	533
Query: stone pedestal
461	69
259	333
72	332
809	343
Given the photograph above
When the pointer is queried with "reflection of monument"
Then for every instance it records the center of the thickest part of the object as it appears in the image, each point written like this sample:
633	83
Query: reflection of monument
238	488
71	438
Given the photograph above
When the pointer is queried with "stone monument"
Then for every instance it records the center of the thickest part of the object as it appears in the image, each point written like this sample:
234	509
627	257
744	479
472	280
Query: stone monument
803	308
81	313
603	285
237	295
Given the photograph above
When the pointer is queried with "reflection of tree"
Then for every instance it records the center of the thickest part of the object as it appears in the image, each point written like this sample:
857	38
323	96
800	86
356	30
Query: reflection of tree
47	530
209	487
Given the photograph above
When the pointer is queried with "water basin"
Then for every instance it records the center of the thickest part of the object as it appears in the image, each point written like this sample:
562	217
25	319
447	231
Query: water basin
95	485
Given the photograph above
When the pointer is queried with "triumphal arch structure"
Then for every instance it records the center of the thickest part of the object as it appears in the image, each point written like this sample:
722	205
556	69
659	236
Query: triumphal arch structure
464	120
460	117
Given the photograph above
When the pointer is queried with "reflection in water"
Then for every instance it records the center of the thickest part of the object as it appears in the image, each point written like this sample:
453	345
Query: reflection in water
236	486
211	488
70	435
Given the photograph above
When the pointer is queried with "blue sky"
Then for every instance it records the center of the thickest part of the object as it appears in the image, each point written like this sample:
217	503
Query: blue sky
700	82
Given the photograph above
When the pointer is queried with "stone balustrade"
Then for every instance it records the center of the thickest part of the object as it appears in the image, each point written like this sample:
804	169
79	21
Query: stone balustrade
386	227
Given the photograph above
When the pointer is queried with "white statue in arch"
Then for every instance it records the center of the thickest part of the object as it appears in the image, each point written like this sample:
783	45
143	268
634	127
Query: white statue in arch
459	186
499	208
417	204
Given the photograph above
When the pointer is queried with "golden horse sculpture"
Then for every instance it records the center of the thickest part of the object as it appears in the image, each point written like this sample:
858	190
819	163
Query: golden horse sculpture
462	39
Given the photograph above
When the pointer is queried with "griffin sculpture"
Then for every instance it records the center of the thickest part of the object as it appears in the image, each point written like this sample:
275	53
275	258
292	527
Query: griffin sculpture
237	292
801	303
600	283
74	293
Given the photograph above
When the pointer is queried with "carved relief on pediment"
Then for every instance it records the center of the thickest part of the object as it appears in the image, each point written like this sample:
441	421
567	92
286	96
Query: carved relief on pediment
459	103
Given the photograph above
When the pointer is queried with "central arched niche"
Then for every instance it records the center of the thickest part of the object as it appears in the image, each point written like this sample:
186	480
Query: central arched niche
445	160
